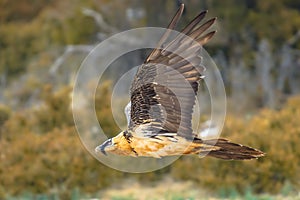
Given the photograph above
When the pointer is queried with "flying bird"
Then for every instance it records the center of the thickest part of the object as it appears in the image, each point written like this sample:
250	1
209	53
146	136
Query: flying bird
163	95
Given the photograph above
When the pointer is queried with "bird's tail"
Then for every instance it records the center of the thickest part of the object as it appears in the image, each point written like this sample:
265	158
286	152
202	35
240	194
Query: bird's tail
232	151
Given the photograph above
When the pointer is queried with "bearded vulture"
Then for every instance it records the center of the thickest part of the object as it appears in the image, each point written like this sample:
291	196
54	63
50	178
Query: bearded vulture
163	95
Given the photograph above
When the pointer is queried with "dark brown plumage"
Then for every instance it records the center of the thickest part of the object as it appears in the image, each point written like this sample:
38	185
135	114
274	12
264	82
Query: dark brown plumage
163	95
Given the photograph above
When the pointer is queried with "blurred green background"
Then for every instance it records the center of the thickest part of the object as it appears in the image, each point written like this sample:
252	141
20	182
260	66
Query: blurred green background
42	44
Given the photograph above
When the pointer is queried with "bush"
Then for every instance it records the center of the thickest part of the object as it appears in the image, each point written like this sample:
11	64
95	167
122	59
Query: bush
51	160
42	154
104	111
275	132
55	112
4	116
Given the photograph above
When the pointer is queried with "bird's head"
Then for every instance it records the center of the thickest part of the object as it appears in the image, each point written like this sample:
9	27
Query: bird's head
117	145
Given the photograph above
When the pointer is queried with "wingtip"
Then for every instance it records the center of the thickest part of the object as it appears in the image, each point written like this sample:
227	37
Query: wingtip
202	14
210	22
211	34
181	8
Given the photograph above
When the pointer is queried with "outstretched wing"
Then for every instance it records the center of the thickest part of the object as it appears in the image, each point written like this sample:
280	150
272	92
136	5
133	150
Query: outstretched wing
164	88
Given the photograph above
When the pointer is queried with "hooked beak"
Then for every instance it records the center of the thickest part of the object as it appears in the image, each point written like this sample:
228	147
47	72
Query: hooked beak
101	148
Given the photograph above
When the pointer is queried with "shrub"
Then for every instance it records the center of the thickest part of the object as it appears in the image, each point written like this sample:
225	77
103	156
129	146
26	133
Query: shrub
4	116
275	132
49	159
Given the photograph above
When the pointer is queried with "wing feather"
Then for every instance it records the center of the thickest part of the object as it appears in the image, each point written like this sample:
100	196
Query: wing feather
164	88
171	26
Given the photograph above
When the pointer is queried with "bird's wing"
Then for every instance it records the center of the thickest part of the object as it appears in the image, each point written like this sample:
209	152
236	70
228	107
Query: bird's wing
164	88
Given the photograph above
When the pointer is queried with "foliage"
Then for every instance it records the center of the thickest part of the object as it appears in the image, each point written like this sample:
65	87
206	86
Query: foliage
55	112
42	29
281	30
48	159
4	114
275	132
40	152
103	109
24	10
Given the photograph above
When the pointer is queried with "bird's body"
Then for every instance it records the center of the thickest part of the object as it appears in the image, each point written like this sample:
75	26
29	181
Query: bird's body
163	146
173	145
163	95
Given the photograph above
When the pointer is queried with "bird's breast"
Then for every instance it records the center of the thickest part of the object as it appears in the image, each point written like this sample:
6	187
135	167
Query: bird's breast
161	146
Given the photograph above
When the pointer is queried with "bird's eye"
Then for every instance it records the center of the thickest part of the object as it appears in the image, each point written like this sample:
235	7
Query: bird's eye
110	141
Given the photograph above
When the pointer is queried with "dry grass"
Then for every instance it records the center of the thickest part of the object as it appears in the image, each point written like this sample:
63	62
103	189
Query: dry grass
169	189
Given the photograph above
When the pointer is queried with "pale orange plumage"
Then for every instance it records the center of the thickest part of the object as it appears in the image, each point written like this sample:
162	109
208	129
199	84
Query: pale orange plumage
162	104
166	146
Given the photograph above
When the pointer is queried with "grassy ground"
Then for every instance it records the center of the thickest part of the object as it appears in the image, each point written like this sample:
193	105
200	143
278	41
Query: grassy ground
167	189
172	190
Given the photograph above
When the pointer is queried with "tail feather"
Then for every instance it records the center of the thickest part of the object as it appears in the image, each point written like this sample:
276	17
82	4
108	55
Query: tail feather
232	151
